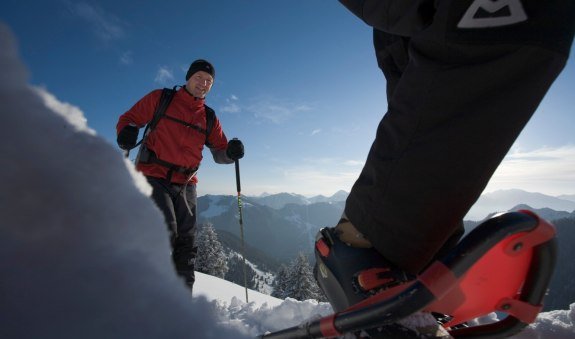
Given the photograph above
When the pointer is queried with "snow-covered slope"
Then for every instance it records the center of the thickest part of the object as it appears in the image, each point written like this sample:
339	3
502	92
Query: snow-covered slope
265	313
262	312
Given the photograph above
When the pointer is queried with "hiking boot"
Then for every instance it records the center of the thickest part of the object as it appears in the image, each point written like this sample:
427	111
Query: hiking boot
348	270
348	275
347	233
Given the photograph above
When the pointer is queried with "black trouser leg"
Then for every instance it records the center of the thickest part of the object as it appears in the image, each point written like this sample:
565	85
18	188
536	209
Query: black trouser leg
392	53
179	208
454	111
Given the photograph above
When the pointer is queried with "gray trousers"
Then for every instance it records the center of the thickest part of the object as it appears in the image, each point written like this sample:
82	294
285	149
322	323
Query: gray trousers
463	79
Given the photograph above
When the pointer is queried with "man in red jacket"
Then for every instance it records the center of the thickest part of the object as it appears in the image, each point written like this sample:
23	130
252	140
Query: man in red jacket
173	151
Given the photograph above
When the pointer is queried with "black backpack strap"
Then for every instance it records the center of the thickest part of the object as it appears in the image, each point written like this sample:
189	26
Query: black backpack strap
210	121
188	125
163	103
165	99
172	168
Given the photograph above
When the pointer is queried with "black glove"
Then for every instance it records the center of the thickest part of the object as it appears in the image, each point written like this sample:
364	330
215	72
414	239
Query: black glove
235	150
128	137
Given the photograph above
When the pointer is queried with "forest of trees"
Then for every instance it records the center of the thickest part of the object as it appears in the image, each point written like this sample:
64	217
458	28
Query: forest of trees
294	280
236	272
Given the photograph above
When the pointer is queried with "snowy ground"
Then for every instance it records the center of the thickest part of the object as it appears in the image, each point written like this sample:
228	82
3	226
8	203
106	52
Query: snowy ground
264	313
81	252
215	208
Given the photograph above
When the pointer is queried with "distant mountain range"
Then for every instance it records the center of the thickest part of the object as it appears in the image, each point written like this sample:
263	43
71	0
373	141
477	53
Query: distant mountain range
277	201
505	200
281	225
488	203
277	227
280	231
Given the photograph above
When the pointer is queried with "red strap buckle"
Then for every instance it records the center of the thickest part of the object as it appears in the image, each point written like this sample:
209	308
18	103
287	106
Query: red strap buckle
322	247
371	279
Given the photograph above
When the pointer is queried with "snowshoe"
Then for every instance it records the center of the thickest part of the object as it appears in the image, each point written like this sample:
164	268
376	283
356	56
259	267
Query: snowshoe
504	265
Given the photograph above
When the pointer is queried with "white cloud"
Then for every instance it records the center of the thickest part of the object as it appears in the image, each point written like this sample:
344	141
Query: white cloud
354	163
276	111
126	58
321	161
546	170
315	180
164	75
315	131
231	106
351	129
105	25
314	176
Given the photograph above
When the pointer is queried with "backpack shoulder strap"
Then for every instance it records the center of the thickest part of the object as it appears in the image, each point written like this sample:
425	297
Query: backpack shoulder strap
210	120
163	103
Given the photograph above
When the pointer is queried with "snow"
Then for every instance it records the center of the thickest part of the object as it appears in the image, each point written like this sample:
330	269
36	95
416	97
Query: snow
262	313
218	289
214	208
84	250
265	278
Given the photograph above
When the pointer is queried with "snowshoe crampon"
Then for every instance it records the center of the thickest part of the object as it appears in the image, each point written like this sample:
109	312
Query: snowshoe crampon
504	265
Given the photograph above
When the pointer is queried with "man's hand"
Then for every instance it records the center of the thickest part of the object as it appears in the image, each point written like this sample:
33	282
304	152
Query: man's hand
128	137
235	150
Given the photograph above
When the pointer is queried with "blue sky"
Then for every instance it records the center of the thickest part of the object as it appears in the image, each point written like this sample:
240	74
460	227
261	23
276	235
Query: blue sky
296	81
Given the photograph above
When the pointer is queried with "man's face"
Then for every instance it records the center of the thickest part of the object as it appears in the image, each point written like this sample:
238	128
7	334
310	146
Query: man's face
200	84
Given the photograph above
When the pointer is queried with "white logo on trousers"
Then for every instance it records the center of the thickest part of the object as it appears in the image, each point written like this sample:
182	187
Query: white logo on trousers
515	14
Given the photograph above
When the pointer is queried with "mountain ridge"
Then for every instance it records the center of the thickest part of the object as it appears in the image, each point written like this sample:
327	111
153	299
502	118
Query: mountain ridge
279	200
488	203
504	200
287	228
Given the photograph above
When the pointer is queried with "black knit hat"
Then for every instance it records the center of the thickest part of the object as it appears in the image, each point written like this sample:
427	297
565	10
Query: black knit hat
200	65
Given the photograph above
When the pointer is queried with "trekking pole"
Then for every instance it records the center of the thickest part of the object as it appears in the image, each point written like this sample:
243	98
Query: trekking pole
239	187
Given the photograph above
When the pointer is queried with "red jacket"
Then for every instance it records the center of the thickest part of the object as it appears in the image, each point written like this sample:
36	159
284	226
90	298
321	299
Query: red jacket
171	141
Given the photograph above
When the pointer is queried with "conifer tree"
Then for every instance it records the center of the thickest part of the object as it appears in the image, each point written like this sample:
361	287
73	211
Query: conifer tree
280	282
297	281
211	257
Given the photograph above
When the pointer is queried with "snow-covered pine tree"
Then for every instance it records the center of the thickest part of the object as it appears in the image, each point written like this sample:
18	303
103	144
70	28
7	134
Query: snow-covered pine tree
299	281
280	282
211	257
